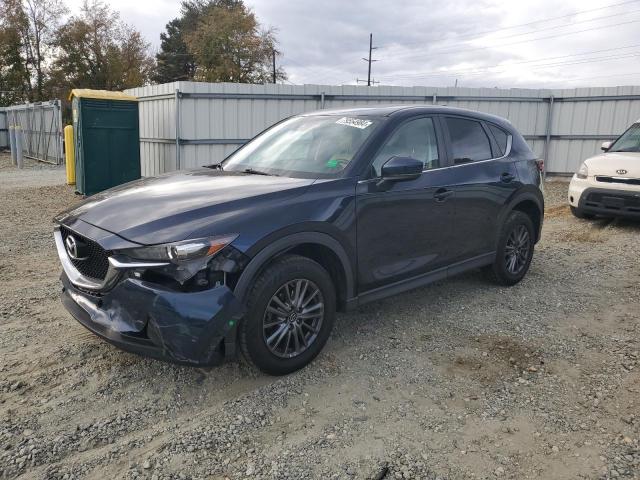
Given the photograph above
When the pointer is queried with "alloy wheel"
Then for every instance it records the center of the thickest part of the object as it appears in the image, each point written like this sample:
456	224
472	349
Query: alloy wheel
517	249
293	318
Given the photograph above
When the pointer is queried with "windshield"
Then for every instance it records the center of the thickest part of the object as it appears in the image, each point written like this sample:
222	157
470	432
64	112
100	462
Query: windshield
310	147
629	141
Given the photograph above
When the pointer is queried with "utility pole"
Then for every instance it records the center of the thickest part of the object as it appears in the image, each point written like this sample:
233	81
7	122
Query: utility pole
274	65
369	60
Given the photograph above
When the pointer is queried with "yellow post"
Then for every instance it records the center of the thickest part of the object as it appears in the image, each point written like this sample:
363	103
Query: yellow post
70	158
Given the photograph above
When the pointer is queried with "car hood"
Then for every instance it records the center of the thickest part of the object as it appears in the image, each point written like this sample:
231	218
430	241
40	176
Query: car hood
168	208
609	163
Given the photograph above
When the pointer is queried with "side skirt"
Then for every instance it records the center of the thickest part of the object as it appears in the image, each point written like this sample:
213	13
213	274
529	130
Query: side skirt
421	280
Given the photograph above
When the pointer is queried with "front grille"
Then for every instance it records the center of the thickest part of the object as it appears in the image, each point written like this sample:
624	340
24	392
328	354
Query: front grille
626	181
95	262
614	201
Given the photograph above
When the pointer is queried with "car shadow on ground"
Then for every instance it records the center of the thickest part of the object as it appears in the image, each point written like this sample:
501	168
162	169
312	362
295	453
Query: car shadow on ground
382	317
630	225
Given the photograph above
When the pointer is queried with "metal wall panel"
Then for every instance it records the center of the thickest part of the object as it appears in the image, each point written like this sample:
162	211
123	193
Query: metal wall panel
211	120
41	125
4	132
157	128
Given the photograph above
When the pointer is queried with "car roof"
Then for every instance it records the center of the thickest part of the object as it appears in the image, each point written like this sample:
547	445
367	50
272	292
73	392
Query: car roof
410	110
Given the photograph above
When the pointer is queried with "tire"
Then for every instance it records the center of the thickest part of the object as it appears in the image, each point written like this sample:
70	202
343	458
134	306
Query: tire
578	213
506	271
268	296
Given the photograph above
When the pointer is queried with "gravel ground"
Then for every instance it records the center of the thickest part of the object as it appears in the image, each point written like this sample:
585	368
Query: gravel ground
459	380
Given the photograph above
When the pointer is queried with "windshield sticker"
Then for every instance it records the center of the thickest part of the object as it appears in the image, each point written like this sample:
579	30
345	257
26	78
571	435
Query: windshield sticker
333	163
354	122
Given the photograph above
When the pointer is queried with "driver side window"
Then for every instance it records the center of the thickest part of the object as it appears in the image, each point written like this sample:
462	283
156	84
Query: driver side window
416	139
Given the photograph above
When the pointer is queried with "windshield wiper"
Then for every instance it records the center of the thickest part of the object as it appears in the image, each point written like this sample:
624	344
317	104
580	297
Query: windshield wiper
258	172
214	166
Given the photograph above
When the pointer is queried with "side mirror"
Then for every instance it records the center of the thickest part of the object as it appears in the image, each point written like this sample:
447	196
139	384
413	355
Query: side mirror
401	168
605	146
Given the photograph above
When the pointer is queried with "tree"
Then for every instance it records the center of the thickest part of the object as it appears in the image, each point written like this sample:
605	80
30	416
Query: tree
14	76
228	46
173	62
43	19
131	61
216	40
26	42
97	50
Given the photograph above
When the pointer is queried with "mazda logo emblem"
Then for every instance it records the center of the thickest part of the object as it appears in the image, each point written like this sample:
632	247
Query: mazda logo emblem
71	244
622	171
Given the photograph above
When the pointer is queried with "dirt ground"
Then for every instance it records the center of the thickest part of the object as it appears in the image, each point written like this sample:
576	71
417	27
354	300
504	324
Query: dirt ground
459	380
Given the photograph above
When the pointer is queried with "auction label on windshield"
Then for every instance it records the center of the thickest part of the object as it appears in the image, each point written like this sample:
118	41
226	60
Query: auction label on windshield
354	122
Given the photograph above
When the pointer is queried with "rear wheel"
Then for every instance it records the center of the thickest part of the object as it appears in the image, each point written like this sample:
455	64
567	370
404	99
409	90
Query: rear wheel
578	213
515	250
290	313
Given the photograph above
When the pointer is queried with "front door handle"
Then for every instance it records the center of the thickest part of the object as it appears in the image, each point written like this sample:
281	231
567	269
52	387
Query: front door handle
506	177
442	194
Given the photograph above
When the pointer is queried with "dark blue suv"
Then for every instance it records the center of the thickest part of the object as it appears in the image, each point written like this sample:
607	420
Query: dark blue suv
321	212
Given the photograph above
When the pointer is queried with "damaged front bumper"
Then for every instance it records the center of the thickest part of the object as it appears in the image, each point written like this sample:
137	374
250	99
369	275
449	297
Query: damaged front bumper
195	328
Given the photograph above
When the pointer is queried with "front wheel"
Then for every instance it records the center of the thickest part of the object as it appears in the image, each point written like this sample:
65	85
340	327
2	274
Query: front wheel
290	313
515	250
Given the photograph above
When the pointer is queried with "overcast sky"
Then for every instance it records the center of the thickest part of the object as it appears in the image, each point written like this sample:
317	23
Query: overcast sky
435	42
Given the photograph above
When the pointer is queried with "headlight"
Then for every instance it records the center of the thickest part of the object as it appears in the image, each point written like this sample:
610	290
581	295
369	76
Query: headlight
181	252
583	171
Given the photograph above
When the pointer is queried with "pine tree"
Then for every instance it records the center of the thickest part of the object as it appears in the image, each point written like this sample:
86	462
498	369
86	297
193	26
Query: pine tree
216	40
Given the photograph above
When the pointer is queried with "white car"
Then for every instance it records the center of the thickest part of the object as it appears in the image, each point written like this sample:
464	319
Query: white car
609	184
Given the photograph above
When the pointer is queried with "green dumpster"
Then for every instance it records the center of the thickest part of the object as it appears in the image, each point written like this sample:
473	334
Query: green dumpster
106	138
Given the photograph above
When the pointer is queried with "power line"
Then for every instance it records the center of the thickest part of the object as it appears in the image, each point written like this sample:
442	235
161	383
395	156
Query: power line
312	71
605	76
368	82
488	68
566	25
446	52
477	34
487	32
549	19
535	67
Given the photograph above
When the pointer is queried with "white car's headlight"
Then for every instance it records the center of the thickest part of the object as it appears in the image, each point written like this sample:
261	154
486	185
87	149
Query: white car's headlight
583	171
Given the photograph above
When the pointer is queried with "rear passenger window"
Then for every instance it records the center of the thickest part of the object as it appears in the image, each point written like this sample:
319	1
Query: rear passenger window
500	136
469	142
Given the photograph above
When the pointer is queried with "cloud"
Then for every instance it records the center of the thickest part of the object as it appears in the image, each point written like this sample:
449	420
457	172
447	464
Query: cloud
435	43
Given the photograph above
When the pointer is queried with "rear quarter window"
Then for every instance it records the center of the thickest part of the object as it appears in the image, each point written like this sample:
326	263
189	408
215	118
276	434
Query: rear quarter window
500	137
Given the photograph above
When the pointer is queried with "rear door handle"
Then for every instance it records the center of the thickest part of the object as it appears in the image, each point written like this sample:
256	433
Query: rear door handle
506	177
442	194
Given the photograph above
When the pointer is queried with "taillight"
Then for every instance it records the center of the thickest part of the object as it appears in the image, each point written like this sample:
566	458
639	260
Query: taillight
540	164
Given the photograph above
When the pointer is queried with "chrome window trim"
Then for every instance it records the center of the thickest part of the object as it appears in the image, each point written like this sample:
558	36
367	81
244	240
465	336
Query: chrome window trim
89	283
507	153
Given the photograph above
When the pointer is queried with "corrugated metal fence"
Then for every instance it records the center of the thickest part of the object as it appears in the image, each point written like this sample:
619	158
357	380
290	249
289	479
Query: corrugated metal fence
189	124
41	125
4	132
